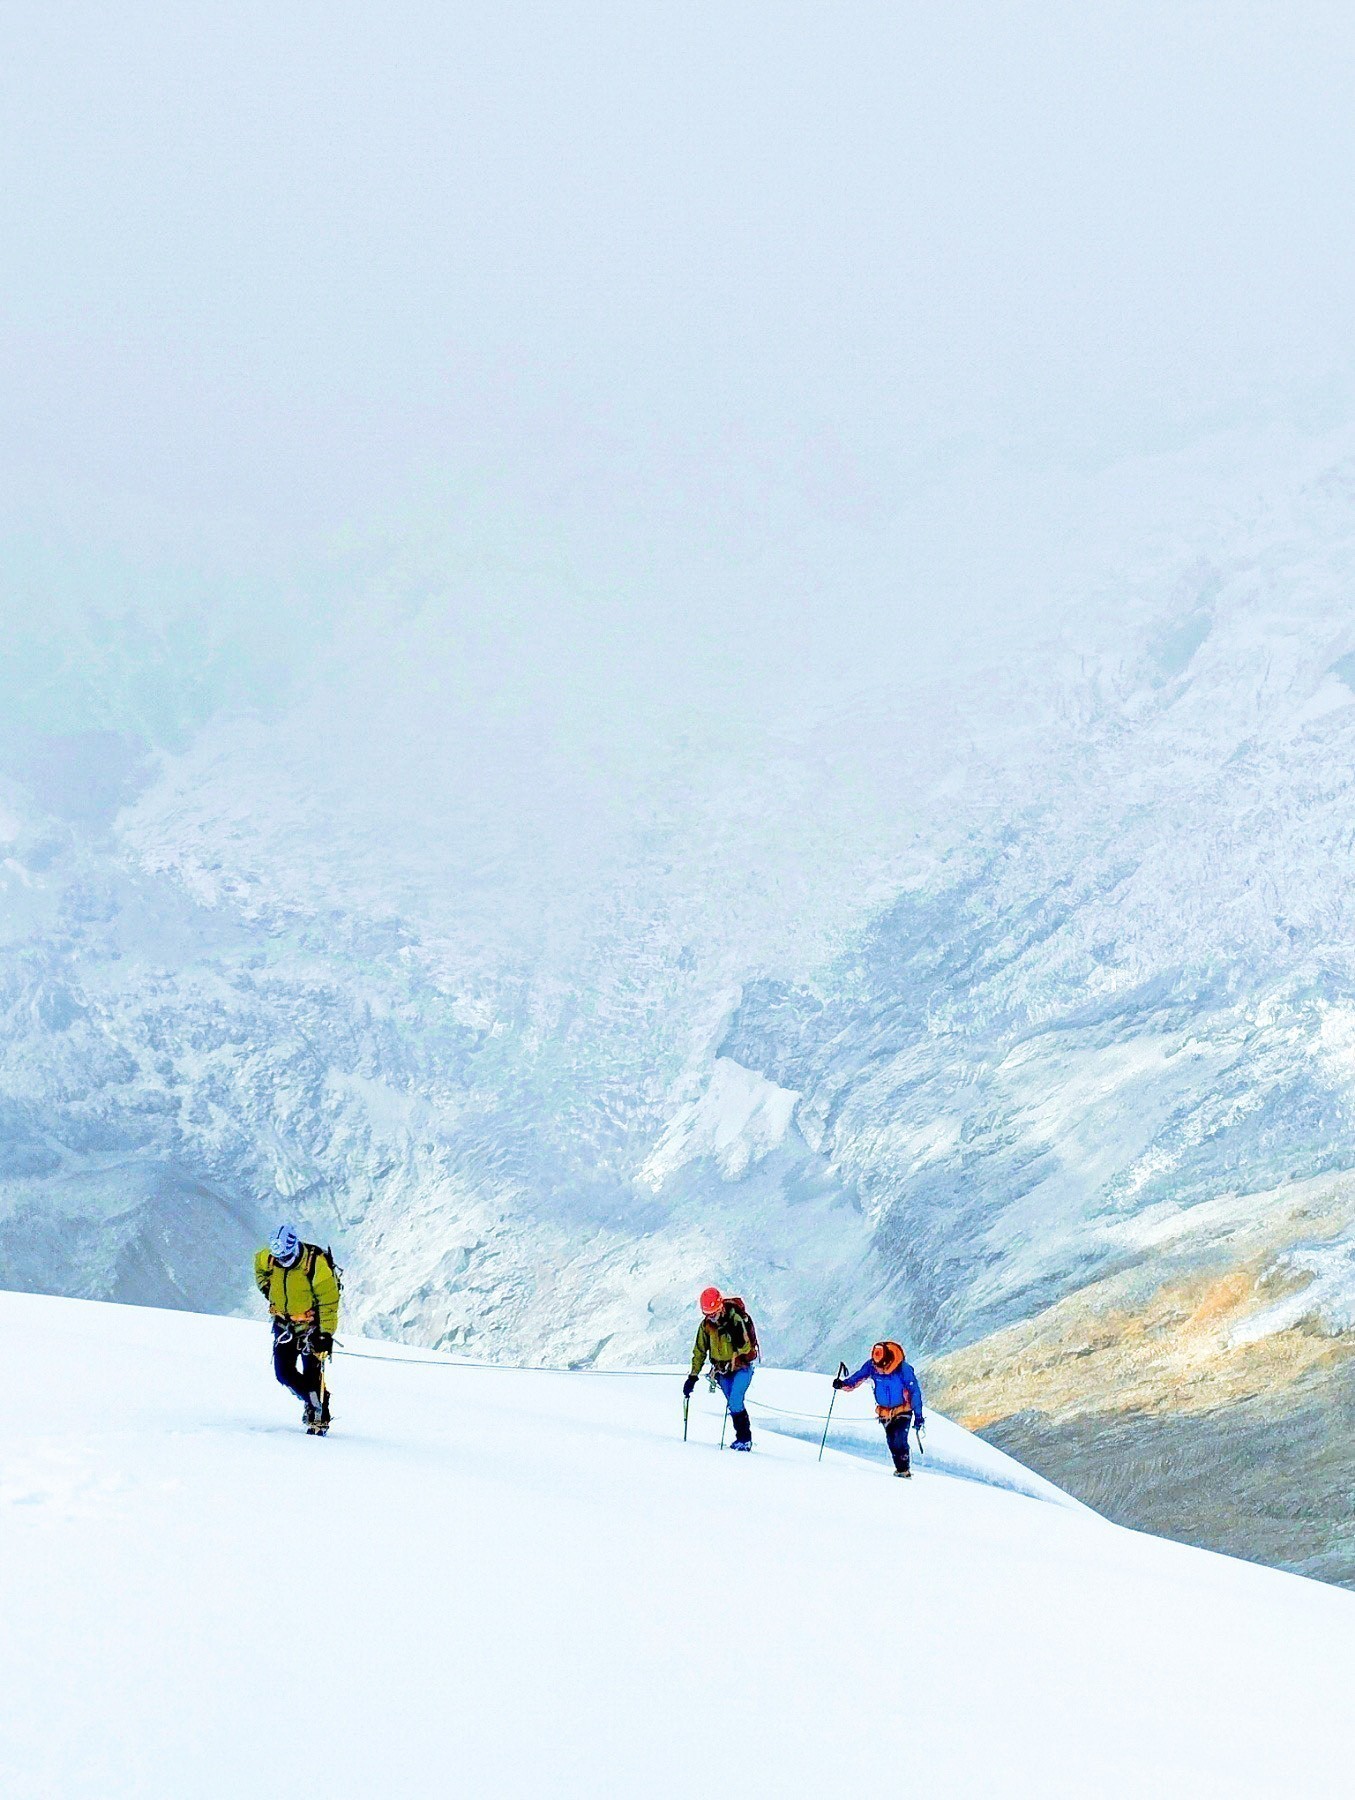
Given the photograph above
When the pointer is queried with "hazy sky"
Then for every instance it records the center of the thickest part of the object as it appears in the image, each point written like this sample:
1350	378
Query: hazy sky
675	301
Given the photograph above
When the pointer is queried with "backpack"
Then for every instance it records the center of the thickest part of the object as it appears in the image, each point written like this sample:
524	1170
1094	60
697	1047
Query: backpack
741	1312
308	1261
310	1253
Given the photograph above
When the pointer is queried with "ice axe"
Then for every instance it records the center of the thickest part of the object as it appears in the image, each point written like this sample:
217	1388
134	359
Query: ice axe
686	1404
841	1374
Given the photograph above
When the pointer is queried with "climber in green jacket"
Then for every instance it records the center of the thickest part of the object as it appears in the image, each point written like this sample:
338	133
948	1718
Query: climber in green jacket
301	1285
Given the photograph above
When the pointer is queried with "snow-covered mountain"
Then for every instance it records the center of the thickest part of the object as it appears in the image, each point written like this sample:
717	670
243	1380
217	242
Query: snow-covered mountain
1006	1001
526	1582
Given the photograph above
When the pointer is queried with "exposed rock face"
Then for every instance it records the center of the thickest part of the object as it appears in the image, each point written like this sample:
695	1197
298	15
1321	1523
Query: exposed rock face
1016	1019
1267	1476
1205	1392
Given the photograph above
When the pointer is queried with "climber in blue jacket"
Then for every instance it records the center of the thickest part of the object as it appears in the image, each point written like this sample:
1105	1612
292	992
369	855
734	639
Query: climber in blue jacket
898	1397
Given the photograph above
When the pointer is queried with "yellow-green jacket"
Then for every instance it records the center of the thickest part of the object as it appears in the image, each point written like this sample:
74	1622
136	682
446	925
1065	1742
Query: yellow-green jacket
729	1340
308	1291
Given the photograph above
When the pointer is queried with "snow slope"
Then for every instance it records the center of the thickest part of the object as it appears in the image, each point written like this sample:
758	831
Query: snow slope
524	1583
943	1002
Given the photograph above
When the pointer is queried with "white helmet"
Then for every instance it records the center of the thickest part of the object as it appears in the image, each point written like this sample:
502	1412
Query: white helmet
285	1245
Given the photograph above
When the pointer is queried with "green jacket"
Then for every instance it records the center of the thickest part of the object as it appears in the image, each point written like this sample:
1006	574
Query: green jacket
729	1340
308	1291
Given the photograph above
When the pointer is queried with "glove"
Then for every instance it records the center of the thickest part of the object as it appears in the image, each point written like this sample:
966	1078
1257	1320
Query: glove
838	1382
322	1343
918	1422
689	1387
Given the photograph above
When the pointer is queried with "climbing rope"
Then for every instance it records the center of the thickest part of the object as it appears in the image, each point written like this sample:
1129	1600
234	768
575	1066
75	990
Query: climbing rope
438	1362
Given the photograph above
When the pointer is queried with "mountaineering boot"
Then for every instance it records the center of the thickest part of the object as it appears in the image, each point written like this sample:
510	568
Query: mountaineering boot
743	1431
742	1444
904	1474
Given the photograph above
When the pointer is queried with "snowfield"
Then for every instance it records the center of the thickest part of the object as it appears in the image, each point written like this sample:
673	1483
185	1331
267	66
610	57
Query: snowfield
524	1583
907	988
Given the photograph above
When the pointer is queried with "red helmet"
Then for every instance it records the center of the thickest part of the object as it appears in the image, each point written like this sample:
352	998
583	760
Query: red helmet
887	1356
712	1300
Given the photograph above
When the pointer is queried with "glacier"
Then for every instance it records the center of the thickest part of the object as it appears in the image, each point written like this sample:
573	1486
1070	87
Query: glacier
1005	1002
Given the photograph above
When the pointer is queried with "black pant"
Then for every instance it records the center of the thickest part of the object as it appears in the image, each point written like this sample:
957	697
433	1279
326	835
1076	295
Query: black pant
297	1366
896	1436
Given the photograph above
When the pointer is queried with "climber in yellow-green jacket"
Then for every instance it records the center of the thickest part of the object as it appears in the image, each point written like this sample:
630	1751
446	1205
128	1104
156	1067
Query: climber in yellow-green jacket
728	1337
301	1285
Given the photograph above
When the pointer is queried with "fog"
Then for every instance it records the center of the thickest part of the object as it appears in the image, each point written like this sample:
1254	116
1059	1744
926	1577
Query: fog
652	344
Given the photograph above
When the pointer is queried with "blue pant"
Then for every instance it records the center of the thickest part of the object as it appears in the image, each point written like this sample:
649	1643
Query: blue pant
734	1388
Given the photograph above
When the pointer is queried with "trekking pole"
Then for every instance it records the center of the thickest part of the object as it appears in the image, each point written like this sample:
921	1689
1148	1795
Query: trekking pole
686	1403
724	1422
841	1372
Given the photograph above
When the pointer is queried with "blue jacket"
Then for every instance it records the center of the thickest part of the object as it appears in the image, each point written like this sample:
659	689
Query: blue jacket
891	1390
